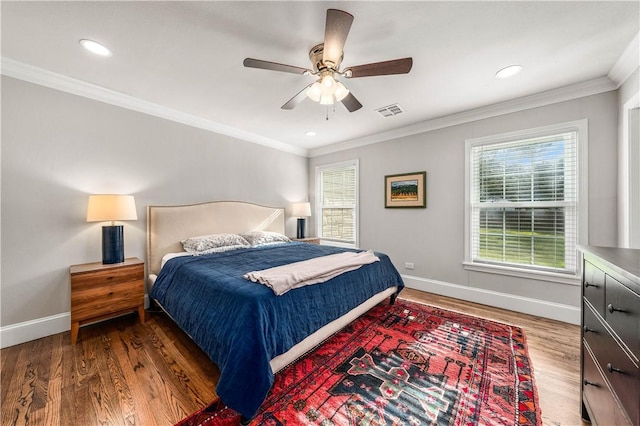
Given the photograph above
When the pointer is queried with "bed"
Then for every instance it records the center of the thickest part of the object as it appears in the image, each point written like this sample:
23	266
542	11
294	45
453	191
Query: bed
248	331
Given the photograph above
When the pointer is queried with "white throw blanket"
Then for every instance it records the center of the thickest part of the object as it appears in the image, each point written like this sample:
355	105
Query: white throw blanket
313	271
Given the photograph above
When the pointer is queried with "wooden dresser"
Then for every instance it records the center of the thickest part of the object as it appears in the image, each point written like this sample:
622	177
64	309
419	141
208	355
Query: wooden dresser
610	373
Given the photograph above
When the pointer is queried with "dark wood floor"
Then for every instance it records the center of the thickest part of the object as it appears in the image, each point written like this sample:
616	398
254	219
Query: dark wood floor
122	372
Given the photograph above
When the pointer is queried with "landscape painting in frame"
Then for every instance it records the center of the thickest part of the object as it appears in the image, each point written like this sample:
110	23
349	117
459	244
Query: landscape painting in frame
406	190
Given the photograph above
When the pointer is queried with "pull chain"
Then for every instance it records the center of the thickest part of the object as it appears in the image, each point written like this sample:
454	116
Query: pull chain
327	111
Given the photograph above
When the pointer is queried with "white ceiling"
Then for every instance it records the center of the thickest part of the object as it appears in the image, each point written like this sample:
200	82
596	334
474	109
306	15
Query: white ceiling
187	57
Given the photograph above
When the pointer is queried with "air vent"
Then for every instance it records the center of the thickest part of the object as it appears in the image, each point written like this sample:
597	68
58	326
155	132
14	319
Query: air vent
390	110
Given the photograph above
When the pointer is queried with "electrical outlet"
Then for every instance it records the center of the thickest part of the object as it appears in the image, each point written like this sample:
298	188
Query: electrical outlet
408	265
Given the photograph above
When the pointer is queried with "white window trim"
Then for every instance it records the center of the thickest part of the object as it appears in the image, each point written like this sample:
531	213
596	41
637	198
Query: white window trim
582	128
318	212
629	178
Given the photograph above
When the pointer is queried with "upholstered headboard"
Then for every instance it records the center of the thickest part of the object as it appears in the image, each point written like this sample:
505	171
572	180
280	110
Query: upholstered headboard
167	226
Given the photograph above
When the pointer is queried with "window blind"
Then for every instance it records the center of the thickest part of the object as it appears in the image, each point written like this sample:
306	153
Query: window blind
338	203
524	202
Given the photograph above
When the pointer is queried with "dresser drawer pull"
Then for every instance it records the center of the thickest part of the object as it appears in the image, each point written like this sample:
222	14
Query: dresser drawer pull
612	369
613	309
588	284
587	329
588	383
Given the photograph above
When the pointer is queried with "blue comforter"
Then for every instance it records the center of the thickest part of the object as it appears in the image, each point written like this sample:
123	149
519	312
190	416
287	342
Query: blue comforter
242	325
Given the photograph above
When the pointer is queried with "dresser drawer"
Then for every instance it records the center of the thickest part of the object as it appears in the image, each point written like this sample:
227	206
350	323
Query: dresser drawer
595	332
618	368
623	314
594	287
603	408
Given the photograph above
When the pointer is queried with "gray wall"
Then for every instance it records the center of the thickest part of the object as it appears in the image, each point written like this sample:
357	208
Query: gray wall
433	238
58	148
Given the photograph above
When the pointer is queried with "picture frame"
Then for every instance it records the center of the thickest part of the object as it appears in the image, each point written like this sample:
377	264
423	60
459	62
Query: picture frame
406	190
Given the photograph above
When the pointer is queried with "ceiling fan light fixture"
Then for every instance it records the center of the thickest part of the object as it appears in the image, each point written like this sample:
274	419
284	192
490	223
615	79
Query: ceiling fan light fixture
326	99
328	81
341	91
314	92
326	58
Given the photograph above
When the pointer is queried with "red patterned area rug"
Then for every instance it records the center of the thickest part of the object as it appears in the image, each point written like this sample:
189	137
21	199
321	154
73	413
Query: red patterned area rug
406	364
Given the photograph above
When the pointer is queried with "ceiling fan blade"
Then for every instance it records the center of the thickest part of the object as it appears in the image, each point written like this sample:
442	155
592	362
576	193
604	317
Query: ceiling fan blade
351	103
336	31
293	102
395	66
273	66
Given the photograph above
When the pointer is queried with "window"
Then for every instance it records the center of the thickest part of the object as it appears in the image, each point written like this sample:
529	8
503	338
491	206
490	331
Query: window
338	202
523	195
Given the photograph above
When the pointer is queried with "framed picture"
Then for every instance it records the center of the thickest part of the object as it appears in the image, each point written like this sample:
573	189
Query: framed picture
406	190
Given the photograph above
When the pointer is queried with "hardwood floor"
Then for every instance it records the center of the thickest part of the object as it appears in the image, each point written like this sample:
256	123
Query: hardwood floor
122	372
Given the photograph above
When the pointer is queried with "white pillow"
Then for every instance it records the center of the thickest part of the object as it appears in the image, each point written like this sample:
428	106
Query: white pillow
222	249
260	238
205	243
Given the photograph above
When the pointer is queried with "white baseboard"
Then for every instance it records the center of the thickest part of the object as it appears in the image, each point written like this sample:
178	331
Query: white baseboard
541	308
22	332
15	334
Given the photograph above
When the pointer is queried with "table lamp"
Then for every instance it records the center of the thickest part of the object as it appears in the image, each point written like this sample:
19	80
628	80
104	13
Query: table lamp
108	207
301	211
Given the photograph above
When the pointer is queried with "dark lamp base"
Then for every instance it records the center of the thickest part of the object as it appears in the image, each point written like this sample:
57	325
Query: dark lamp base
300	233
112	244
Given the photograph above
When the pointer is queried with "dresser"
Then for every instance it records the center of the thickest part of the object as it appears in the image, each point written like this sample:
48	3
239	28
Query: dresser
101	291
610	373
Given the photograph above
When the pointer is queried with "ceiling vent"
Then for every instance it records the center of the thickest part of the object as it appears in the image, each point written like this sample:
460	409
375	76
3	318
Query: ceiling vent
390	110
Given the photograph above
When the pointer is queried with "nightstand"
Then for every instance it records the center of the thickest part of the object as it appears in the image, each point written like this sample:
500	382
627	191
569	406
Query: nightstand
310	240
101	291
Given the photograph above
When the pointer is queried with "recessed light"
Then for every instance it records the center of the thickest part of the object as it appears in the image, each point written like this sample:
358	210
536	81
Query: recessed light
95	47
509	71
310	133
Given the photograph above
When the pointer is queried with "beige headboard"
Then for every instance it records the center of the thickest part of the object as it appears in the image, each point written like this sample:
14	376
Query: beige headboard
168	225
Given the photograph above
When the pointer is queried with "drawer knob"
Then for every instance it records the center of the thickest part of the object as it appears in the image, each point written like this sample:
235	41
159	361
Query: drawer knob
588	383
613	309
588	284
612	369
587	329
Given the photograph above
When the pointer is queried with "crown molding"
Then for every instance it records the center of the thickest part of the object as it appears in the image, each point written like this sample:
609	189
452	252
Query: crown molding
574	91
42	77
19	70
628	62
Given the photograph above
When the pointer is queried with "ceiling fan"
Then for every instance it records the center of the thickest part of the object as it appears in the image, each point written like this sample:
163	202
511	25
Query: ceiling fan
326	59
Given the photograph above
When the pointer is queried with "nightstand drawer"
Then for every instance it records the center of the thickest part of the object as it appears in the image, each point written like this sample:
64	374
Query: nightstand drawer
107	277
106	299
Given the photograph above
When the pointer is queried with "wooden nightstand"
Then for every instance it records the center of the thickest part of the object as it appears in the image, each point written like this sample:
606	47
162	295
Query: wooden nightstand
102	291
310	240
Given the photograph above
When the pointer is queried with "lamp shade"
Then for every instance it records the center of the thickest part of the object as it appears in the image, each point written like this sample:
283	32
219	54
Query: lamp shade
111	207
301	210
